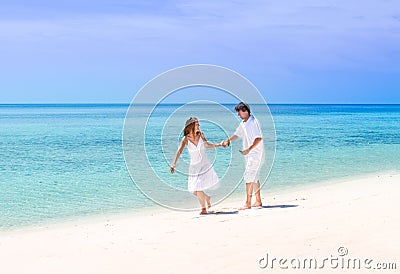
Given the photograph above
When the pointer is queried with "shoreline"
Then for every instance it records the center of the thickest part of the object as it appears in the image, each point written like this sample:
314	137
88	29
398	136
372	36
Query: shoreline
359	215
234	199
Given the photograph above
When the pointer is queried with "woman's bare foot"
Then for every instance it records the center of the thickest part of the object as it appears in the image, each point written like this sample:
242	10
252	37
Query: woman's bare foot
208	201
203	211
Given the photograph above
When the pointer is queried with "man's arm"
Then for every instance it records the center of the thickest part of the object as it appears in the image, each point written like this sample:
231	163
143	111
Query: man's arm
255	143
228	141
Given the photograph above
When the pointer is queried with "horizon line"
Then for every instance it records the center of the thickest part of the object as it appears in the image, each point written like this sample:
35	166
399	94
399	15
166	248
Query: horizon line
182	103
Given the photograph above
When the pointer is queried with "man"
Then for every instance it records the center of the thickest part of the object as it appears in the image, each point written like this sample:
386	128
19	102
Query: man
253	150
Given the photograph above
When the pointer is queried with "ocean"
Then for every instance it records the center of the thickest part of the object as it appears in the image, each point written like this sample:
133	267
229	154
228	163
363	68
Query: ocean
66	161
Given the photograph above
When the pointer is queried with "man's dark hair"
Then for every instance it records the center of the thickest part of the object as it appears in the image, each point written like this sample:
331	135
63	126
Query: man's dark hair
243	107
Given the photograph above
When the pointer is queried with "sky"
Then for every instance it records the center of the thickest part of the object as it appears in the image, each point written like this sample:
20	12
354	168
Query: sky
293	51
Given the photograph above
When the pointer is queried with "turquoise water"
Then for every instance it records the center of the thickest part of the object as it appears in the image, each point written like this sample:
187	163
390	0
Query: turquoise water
60	162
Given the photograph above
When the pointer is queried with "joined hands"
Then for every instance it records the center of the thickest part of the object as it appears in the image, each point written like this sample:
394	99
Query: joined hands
225	143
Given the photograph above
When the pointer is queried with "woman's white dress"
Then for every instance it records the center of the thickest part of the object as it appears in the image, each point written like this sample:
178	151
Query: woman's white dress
201	173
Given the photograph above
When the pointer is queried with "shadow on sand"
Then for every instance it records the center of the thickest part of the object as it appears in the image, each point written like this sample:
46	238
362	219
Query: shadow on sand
223	212
219	212
278	206
231	212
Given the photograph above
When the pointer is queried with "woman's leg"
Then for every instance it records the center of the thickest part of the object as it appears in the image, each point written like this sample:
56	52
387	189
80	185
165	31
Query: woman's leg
202	200
208	200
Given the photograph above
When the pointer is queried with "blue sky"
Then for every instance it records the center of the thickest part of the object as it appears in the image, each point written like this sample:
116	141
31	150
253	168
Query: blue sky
294	51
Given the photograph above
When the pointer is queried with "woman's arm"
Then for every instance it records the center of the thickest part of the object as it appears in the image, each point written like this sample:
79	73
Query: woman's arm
177	154
206	143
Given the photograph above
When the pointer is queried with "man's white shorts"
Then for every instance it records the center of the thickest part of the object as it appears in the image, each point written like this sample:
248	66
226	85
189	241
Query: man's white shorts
253	166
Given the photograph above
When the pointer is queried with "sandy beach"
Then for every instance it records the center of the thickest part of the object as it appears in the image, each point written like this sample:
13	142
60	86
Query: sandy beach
355	219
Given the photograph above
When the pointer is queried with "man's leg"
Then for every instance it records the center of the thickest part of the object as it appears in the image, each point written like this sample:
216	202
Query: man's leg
249	192
256	187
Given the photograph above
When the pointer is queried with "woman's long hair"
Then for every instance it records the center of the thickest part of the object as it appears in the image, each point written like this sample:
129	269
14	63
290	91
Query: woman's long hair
190	126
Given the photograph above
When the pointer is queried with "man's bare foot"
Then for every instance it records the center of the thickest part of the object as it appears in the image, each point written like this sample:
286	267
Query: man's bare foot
245	206
208	201
257	205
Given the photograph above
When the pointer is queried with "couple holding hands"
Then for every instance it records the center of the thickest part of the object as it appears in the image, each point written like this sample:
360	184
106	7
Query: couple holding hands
201	173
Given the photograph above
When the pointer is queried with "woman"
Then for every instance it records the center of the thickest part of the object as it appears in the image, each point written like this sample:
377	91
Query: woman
201	174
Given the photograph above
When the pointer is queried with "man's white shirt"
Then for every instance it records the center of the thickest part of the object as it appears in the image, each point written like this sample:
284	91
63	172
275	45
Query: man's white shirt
249	131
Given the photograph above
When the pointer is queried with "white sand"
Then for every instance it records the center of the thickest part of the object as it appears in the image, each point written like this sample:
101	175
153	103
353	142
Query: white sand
360	215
